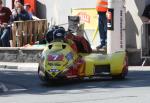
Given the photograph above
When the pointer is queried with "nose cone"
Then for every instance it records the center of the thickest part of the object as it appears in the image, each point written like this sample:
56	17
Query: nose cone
54	71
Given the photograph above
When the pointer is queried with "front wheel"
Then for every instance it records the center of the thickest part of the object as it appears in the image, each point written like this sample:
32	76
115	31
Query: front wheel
42	74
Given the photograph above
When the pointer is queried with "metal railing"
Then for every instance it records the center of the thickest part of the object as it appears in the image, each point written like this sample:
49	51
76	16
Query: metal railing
28	32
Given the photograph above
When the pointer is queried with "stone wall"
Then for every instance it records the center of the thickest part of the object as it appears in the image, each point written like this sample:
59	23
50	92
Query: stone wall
20	55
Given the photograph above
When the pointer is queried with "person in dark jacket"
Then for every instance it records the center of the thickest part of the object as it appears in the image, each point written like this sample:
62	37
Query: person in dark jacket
18	13
27	7
5	31
146	14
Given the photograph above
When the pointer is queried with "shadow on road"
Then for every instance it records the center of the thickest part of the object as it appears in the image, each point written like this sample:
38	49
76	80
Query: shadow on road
21	82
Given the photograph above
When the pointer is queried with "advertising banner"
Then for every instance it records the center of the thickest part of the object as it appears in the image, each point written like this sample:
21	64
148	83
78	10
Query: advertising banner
88	16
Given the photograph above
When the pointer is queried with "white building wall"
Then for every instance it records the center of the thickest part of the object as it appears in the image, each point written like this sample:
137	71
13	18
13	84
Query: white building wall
60	9
8	3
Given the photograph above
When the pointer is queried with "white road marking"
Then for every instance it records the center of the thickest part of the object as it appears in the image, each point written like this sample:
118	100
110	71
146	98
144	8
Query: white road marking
3	87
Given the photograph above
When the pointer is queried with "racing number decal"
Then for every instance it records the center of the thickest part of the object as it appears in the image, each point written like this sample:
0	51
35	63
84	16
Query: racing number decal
55	57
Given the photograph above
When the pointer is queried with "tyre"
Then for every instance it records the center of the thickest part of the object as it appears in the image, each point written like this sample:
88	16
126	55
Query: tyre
122	75
124	71
42	75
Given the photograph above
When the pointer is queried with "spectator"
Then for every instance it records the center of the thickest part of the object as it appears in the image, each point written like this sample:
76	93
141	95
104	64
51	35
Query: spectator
102	7
18	13
27	7
15	2
5	31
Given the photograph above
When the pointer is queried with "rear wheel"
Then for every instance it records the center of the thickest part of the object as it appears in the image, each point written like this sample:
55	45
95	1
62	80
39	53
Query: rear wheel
124	71
122	75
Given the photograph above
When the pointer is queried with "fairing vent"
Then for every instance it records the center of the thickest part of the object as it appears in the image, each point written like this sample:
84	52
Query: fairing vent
50	46
63	46
102	70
